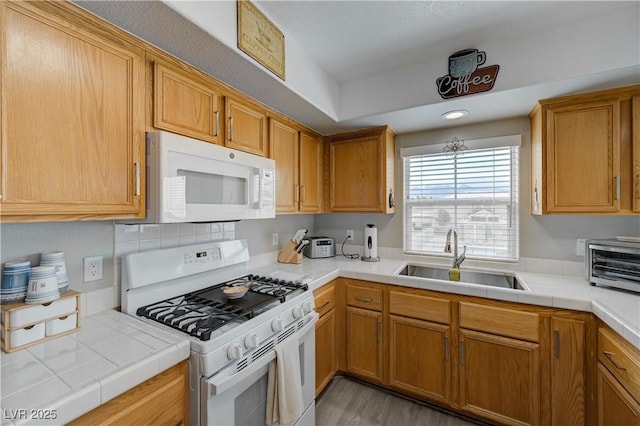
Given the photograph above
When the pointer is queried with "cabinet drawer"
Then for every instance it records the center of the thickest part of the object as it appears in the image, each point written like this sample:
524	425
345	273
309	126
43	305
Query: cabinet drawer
419	306
23	336
502	321
325	298
364	297
621	360
36	313
60	325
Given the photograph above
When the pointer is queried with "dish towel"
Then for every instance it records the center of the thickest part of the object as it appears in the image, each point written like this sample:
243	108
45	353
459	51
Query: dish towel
284	388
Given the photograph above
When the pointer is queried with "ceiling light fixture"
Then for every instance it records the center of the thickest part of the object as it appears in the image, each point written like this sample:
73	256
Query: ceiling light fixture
452	115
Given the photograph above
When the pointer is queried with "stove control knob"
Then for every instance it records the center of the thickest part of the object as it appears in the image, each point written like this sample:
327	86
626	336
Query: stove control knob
298	312
234	351
251	341
307	307
277	325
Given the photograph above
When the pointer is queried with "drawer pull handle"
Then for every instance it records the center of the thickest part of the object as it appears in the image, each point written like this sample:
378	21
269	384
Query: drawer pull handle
217	121
461	353
364	299
557	344
610	355
379	332
324	304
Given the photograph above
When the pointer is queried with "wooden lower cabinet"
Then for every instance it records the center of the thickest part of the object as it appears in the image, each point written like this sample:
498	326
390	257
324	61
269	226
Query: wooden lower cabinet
568	372
326	350
501	362
161	400
616	407
499	378
419	358
364	344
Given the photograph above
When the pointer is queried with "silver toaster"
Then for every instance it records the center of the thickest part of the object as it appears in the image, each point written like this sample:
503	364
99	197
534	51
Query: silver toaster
320	247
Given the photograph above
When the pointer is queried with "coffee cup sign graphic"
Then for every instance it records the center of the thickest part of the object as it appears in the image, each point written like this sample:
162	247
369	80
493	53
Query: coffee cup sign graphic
465	77
465	62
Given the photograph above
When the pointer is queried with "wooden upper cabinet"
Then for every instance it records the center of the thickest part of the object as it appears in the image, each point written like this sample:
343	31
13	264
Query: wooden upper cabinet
298	158
583	149
72	116
311	173
361	168
246	128
284	150
635	137
185	104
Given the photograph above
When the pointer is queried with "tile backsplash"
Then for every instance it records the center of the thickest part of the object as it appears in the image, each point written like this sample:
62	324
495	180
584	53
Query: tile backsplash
136	238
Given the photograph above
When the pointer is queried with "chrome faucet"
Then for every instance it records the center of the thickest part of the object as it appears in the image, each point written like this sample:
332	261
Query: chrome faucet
457	260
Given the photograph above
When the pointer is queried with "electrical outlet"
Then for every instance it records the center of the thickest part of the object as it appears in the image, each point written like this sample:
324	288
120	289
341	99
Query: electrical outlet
580	246
274	239
350	234
92	268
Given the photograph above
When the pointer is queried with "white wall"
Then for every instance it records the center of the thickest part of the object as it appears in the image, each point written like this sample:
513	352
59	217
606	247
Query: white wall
546	237
81	239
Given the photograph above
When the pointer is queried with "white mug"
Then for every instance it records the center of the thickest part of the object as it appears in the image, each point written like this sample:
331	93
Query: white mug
43	285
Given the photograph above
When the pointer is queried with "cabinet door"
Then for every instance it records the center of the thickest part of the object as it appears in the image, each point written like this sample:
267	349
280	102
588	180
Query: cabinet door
72	117
419	357
356	175
247	128
499	378
311	160
364	343
635	135
161	400
326	355
615	406
583	154
284	150
568	372
184	104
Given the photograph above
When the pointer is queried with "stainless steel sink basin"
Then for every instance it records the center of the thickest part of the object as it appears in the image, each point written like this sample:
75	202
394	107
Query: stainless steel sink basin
493	279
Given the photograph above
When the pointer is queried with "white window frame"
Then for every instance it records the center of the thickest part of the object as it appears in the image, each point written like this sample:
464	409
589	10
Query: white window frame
512	202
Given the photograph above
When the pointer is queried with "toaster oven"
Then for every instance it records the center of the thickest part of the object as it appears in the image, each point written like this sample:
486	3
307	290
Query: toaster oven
613	263
320	247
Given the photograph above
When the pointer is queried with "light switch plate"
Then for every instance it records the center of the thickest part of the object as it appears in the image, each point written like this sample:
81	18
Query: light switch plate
580	246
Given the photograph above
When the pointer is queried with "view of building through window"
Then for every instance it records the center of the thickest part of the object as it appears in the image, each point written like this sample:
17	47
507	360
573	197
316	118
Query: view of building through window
476	193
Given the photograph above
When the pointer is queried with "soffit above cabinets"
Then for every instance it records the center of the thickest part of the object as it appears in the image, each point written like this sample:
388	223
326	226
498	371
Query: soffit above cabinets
352	64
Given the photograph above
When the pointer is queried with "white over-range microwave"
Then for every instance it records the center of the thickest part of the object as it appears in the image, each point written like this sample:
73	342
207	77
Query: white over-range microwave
194	181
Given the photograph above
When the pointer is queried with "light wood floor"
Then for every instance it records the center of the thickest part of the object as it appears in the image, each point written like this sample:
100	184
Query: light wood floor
347	402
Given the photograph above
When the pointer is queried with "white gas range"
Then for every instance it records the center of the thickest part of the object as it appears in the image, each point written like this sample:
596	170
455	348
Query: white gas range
232	340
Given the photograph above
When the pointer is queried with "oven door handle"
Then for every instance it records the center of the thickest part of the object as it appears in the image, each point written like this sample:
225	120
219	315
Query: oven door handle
228	378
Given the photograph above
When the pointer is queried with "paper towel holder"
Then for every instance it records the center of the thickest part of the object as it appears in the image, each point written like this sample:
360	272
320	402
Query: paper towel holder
370	243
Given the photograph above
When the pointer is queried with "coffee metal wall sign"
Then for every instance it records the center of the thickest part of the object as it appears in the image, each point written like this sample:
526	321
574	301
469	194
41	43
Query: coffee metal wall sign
259	38
465	78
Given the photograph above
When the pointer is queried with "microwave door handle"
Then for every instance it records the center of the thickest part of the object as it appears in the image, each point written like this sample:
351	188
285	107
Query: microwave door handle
257	197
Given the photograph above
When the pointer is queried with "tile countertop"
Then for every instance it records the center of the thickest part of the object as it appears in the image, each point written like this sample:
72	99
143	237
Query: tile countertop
67	377
619	309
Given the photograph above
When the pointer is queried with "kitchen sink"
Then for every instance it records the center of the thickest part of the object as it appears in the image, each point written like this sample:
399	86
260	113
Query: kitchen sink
493	279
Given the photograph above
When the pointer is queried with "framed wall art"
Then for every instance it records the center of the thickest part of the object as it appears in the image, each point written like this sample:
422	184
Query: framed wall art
259	38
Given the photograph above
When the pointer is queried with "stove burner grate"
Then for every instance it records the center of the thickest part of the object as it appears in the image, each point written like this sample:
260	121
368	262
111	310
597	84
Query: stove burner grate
201	312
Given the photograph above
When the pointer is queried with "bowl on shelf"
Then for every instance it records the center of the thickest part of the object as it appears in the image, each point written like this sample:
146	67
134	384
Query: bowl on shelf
235	292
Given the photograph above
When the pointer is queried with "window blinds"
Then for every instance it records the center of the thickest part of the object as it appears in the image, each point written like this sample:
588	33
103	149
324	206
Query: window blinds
476	193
